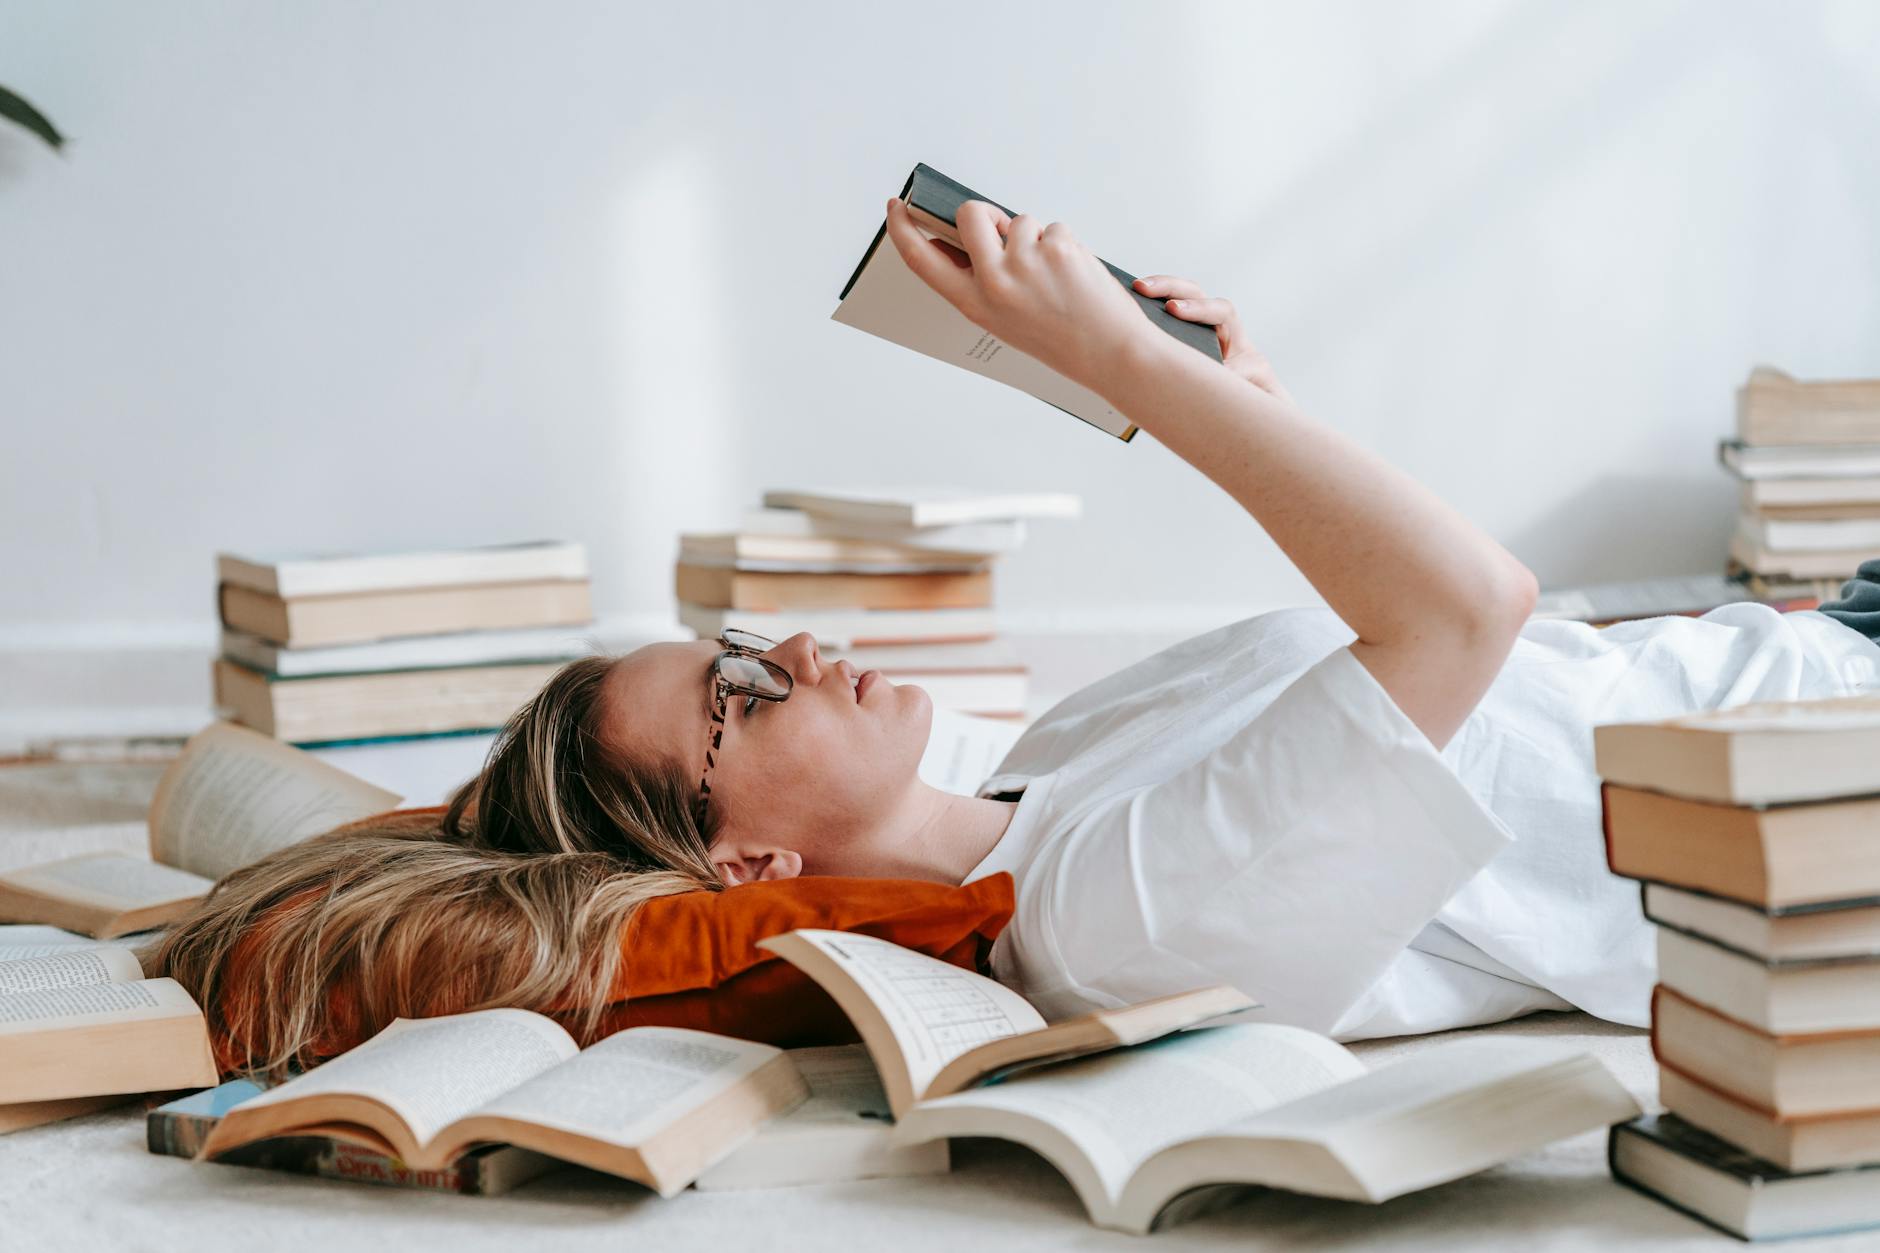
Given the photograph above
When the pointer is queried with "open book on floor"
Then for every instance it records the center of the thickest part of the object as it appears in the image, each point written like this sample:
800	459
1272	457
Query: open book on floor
654	1104
1152	1135
934	1028
83	1023
841	1132
1136	1128
231	798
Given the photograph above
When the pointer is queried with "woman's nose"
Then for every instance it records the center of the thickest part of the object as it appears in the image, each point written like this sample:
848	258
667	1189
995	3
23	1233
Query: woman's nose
800	657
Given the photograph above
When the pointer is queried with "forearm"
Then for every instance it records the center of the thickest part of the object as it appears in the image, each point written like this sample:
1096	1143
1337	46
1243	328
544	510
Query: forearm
1390	558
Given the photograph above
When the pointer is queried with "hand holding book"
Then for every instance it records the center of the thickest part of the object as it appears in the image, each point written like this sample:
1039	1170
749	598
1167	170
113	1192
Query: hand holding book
1035	287
1184	298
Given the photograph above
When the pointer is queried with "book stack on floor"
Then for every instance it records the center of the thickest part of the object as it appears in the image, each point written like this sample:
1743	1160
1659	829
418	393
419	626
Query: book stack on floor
327	649
1751	830
1808	457
897	580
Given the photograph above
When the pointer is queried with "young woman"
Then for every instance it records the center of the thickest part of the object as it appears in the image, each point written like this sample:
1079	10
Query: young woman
1376	818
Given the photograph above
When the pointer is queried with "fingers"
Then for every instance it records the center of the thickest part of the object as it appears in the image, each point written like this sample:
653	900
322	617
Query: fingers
924	257
1210	311
1022	231
976	221
1167	285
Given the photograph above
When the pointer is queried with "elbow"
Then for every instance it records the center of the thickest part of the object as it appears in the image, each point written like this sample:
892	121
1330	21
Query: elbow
1505	603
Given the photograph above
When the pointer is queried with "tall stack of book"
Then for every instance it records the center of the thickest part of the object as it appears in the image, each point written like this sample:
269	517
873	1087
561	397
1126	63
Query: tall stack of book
1808	456
1751	830
336	648
895	579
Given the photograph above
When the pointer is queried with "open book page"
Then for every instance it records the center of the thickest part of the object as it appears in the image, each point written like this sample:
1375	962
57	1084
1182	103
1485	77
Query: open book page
1447	1112
631	1084
934	1011
433	1071
57	1008
20	941
71	968
235	795
110	881
889	300
1112	1111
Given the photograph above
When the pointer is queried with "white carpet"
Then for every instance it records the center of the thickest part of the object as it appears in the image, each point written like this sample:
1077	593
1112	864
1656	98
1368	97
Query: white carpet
89	1184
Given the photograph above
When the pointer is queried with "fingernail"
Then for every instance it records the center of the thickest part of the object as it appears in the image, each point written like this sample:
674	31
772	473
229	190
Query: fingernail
1173	304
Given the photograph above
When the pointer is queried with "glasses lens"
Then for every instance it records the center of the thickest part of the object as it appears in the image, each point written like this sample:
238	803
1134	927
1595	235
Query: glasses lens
753	675
748	639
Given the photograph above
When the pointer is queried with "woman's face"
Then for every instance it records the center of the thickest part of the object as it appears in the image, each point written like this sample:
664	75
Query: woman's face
809	782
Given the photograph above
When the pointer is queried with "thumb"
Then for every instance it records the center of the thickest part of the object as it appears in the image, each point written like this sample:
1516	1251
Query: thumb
933	267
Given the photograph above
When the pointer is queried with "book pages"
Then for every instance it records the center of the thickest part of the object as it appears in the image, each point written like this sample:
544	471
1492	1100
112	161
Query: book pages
843	1130
20	941
110	881
1118	1108
58	1008
891	301
934	1010
1845	713
74	967
631	1084
433	1071
235	796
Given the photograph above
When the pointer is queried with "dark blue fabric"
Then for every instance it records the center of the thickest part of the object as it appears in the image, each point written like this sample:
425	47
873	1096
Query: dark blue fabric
1859	606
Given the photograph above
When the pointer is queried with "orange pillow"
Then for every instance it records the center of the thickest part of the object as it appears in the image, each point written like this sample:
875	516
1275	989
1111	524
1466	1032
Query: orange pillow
691	960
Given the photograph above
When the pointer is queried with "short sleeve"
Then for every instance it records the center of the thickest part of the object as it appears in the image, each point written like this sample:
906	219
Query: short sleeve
1294	862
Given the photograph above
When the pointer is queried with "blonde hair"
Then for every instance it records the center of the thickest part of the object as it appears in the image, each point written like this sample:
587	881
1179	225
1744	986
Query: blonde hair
517	895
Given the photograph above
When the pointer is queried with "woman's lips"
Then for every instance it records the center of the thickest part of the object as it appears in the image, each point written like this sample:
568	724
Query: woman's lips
864	683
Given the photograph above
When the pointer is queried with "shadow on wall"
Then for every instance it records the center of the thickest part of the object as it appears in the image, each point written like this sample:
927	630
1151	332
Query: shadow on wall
1631	526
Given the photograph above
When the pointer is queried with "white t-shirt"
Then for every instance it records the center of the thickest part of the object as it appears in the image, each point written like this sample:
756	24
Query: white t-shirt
1250	807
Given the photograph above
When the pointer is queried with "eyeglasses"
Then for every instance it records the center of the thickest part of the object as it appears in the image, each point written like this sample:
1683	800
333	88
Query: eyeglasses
739	669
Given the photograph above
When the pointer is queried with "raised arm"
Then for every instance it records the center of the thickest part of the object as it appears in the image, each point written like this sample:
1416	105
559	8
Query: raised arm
1435	602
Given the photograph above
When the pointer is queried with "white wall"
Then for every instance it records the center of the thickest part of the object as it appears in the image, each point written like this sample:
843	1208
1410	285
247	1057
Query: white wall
357	274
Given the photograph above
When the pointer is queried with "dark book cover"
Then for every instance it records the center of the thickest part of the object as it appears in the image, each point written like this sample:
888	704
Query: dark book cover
1709	1153
931	191
179	1129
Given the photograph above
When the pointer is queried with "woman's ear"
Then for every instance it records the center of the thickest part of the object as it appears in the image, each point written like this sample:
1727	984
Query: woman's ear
752	866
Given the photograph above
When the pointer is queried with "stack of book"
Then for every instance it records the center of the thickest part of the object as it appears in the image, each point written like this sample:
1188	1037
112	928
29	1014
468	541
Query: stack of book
1808	457
326	649
1751	830
897	580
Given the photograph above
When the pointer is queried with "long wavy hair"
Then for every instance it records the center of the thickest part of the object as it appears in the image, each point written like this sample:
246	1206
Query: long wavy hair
516	894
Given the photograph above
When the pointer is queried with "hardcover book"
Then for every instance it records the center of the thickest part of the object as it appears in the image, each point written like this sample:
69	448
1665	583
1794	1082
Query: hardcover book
1774	408
328	708
333	574
885	298
1717	1183
181	1128
1761	753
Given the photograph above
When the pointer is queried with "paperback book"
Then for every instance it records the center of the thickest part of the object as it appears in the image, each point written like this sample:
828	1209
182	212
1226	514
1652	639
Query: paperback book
232	797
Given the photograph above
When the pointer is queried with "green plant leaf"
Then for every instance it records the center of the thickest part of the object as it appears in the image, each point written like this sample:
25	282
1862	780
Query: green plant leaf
15	108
